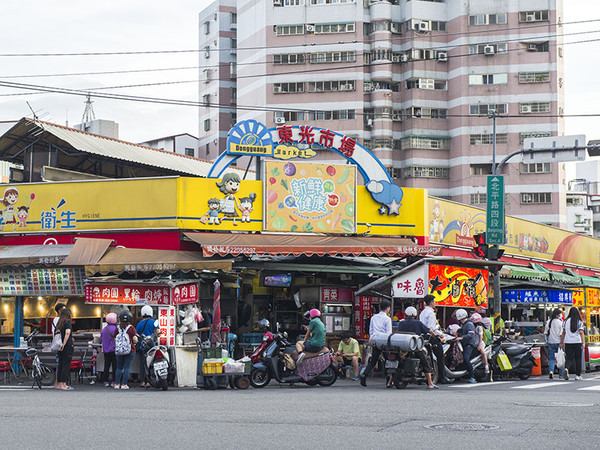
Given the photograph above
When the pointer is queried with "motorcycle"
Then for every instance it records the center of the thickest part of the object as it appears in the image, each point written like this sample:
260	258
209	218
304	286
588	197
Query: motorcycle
317	370
518	355
158	365
267	339
477	361
405	367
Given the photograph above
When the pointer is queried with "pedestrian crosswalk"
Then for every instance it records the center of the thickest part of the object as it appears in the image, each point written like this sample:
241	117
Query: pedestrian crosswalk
529	385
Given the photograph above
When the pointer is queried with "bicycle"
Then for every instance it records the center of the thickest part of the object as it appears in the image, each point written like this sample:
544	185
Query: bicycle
41	374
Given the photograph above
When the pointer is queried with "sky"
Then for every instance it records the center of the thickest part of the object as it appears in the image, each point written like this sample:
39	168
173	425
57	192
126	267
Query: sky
84	26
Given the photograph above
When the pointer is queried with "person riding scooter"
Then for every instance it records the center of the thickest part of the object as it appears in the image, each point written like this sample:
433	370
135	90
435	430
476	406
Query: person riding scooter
469	340
412	325
316	332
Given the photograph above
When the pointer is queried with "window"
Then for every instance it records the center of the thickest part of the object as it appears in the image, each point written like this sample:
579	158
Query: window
369	86
330	2
426	172
287	30
334	28
487	19
536	198
291	116
232	68
233	18
538	47
290	2
207	51
206	75
394	27
426	113
423	54
482	110
206	124
288	88
534	77
535	168
427	143
331	86
189	152
534	107
478	199
289	58
382	143
233	95
432	25
342	114
495	78
207	150
332	57
485	139
534	16
480	49
480	169
532	134
206	99
233	44
232	119
207	27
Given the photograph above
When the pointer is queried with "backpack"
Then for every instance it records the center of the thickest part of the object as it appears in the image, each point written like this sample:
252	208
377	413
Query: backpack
123	342
487	336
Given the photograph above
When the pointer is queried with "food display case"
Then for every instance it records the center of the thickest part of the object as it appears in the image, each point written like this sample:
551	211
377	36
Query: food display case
336	307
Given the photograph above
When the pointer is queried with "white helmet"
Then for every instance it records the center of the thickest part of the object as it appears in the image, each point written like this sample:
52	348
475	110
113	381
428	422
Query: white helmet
461	314
411	311
147	310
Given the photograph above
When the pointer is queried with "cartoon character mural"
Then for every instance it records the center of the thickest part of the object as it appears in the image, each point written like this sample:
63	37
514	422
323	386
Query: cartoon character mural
436	225
246	208
9	213
22	215
212	216
229	185
388	194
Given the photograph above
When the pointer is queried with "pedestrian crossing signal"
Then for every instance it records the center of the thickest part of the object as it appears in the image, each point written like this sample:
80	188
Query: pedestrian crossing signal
481	249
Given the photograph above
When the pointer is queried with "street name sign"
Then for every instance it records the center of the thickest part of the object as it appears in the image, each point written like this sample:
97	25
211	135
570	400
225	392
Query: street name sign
495	210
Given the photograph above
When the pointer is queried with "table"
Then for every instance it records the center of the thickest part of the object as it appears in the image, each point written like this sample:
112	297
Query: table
13	355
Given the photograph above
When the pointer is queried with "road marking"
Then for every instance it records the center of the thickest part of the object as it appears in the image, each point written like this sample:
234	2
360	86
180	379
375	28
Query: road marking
540	385
590	388
472	385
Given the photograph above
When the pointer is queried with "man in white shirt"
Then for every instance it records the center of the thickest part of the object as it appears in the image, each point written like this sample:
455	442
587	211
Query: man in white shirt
428	318
380	324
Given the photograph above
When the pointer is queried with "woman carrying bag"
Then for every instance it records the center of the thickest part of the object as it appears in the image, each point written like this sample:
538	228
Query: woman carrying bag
65	354
573	341
553	333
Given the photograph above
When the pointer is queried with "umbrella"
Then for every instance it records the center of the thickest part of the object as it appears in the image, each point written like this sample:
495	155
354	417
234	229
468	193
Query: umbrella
215	328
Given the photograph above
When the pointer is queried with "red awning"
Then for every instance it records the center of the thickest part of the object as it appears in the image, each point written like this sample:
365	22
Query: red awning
277	244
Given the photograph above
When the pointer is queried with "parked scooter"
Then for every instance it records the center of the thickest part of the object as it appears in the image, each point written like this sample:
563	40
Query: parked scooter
477	361
405	367
519	357
317	370
268	337
158	365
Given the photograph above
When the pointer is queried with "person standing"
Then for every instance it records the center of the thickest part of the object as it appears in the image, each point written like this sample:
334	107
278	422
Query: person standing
553	333
65	354
108	335
380	324
573	341
148	326
468	339
124	349
58	308
429	319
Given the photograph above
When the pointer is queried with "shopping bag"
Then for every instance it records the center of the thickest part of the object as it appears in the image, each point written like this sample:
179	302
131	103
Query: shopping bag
560	358
56	342
504	362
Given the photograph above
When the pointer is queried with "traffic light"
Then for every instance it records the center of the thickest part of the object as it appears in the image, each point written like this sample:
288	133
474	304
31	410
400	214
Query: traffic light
481	249
495	253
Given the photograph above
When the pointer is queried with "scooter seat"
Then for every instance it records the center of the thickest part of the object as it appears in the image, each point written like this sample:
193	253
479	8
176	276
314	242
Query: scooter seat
308	355
515	349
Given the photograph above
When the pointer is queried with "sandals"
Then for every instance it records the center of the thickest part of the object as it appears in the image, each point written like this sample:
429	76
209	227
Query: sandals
433	387
68	388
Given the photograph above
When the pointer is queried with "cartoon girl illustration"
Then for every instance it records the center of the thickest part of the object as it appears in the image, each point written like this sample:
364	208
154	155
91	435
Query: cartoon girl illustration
11	195
436	225
246	208
214	206
229	185
23	214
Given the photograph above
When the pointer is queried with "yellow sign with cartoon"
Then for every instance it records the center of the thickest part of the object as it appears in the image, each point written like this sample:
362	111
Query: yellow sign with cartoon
454	223
310	198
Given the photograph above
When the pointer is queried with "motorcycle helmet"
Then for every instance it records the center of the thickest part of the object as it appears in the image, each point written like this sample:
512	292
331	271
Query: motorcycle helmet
476	318
453	329
315	313
111	318
480	310
125	316
411	311
264	325
461	314
147	311
487	322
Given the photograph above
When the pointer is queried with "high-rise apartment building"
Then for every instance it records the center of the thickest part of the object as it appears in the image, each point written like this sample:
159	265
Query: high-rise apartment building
415	81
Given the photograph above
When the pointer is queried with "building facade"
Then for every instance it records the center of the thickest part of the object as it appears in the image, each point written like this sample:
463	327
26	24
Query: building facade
416	83
184	144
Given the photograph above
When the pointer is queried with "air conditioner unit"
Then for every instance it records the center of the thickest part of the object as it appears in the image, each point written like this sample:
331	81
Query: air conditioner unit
369	122
397	117
442	57
527	198
525	109
310	28
422	26
395	27
404	58
277	2
277	89
395	58
279	120
489	50
532	47
530	18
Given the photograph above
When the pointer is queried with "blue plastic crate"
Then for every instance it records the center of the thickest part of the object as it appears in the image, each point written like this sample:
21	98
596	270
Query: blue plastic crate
251	338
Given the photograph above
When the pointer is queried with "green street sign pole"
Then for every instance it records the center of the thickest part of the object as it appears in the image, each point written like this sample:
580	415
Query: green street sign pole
495	234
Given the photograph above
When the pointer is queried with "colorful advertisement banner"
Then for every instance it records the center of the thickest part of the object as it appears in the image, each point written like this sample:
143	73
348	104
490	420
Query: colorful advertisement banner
362	316
310	198
184	294
454	223
521	296
44	281
166	323
458	286
127	294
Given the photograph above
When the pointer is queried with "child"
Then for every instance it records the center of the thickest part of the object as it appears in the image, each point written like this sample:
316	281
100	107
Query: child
476	319
214	207
246	208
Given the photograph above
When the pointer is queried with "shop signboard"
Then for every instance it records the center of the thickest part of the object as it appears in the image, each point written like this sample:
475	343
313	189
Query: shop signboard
536	296
122	294
458	286
411	284
362	315
183	294
578	297
310	197
166	323
336	295
495	210
41	281
592	297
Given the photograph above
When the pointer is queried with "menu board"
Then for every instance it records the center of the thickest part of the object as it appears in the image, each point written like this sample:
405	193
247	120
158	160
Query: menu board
166	323
43	281
122	294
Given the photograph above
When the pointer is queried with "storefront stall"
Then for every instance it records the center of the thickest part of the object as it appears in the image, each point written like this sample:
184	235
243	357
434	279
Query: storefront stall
587	299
